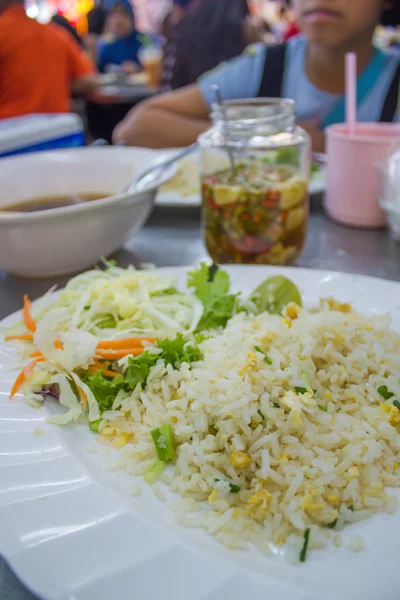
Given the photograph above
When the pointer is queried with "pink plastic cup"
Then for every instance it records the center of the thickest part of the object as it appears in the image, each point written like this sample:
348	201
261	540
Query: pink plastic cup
354	171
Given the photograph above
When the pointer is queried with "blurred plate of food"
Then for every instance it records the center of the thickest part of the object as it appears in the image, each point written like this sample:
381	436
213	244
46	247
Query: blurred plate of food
110	79
184	188
137	79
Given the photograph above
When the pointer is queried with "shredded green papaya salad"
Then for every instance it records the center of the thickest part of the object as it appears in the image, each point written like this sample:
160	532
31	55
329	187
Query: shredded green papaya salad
95	343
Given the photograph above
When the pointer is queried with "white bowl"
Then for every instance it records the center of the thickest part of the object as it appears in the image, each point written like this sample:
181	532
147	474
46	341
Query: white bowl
66	240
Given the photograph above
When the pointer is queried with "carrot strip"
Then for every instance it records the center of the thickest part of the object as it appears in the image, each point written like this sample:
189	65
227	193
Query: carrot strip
24	374
29	322
36	354
106	372
117	354
127	343
58	344
103	364
26	337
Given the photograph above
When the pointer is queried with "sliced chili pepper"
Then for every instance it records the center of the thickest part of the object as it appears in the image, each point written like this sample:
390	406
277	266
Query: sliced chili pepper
273	196
211	203
269	203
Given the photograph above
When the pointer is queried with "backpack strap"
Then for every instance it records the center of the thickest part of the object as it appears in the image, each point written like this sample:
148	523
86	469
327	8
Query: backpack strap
392	100
271	85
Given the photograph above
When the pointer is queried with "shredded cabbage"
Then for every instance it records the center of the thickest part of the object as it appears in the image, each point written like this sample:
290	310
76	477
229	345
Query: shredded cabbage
119	302
78	347
67	399
94	410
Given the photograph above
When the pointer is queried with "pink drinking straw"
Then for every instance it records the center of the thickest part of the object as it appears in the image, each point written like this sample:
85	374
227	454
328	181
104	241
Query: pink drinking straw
351	92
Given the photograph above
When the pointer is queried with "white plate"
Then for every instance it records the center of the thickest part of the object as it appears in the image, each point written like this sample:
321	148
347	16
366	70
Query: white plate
72	531
189	195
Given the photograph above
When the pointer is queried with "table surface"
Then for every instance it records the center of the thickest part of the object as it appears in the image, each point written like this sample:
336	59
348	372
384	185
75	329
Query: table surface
120	93
172	237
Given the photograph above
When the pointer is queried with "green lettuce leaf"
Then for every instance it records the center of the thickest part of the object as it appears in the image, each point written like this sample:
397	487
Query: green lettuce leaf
212	287
104	389
175	353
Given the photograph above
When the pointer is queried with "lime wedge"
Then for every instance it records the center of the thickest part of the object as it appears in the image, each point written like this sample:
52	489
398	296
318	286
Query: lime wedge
274	294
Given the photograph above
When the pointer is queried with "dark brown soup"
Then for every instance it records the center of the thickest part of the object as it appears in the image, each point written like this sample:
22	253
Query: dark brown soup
48	202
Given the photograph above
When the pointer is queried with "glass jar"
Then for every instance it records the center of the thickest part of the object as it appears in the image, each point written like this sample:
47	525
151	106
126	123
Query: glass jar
255	166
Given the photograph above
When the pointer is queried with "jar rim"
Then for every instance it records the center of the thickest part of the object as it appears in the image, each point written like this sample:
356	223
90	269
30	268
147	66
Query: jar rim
257	102
248	112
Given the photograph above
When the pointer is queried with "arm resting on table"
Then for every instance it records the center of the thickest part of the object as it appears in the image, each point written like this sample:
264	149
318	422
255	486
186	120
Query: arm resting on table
85	85
170	120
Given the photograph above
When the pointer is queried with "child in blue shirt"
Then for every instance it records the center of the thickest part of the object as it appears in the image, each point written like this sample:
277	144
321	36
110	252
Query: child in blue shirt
123	50
310	69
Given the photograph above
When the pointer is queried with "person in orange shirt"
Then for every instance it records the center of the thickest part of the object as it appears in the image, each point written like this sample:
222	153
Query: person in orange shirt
40	65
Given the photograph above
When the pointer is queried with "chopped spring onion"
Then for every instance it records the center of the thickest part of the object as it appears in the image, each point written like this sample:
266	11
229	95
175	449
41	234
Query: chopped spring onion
333	524
300	390
307	380
396	403
233	487
261	414
303	390
164	443
94	425
154	473
266	358
323	408
384	392
303	553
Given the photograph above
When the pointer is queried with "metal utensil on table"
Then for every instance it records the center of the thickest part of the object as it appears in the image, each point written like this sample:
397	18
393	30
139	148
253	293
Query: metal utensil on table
149	175
221	104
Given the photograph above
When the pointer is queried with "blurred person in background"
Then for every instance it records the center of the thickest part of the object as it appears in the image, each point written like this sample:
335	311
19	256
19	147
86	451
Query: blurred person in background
211	32
40	65
291	28
291	31
309	69
170	32
61	21
281	24
96	18
175	16
123	50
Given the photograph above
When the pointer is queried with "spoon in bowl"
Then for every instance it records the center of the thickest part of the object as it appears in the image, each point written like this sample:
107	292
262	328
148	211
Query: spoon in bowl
151	174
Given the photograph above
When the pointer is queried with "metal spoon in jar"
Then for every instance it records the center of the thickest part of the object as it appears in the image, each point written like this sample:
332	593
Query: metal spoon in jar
221	104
